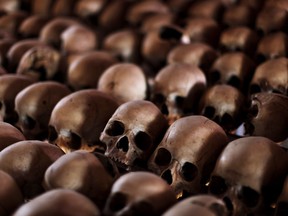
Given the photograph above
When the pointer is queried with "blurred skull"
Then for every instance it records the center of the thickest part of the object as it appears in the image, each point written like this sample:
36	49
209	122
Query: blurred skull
34	105
9	135
204	205
271	76
125	81
78	119
133	133
177	89
268	116
225	105
10	86
187	154
249	175
139	193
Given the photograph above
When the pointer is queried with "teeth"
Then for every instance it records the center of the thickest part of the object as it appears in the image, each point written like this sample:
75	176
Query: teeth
179	195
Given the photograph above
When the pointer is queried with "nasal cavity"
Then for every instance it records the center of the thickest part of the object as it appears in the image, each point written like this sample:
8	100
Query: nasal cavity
167	176
123	144
228	204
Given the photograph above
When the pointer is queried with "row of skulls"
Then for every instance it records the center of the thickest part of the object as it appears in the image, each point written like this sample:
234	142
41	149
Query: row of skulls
180	122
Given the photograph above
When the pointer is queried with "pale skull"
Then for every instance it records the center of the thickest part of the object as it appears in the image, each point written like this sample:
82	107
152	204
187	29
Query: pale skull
139	193
133	132
187	154
249	175
78	119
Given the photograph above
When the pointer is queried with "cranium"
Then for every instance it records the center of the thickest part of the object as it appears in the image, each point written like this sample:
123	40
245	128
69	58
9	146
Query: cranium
271	76
238	15
78	119
80	75
268	116
80	171
177	89
282	201
201	204
125	81
32	25
139	193
133	132
234	68
9	135
271	46
249	175
10	86
34	105
187	154
225	105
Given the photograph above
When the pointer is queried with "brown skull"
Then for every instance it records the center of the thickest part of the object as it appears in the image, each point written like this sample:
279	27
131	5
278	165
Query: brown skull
79	118
10	86
249	175
238	15
32	25
133	132
187	154
282	201
139	193
271	76
225	105
204	205
177	89
124	81
9	135
34	105
268	116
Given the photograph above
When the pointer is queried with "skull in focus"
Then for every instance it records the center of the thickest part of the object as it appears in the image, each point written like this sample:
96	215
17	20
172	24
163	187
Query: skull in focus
271	76
34	105
177	89
268	116
249	175
133	133
125	81
225	105
10	86
187	154
201	204
79	118
139	193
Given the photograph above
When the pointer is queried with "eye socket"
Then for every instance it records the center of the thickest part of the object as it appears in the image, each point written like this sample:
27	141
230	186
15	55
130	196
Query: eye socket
75	141
254	88
234	81
52	134
189	171
29	123
179	100
163	157
142	140
115	128
116	202
209	112
248	196
217	185
158	98
215	76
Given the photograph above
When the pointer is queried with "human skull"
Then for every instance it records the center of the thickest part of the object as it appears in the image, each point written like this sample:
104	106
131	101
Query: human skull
282	201
34	105
133	132
234	68
197	53
239	38
139	193
238	15
32	25
201	204
249	175
9	135
125	81
40	63
271	76
271	46
187	154
79	118
268	116
10	86
80	171
177	89
225	105
79	73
